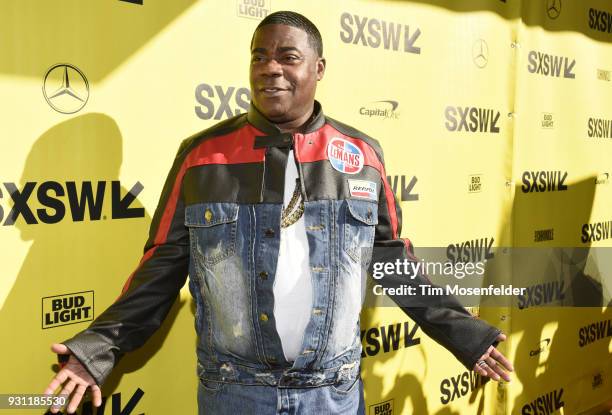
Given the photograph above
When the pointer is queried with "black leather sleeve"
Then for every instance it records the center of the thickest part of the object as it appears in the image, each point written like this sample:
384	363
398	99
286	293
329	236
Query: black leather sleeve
443	319
148	293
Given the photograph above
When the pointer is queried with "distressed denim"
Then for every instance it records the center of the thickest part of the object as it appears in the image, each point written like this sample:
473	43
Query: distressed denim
234	250
218	398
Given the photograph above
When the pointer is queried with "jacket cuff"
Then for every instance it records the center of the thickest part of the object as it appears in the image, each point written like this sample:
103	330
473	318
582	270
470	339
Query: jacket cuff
488	336
95	352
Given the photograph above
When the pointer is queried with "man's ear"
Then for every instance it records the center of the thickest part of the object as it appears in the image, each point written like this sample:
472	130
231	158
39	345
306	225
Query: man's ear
320	68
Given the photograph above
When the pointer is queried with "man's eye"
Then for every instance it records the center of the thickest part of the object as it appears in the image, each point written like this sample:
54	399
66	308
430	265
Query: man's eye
257	58
291	58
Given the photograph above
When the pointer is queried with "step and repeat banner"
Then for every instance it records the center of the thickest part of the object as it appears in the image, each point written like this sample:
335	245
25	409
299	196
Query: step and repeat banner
495	118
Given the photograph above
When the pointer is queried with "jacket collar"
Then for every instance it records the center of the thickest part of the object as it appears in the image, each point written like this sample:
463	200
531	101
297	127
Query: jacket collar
260	122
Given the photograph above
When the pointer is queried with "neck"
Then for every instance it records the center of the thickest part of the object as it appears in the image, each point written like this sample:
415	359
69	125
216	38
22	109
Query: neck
298	124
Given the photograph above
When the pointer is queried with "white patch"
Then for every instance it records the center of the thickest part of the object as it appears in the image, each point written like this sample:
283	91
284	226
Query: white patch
237	330
363	189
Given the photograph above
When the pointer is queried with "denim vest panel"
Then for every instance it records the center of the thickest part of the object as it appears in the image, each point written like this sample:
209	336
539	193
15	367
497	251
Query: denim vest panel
234	254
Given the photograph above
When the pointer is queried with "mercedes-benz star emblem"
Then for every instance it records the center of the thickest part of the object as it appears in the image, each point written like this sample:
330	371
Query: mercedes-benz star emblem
480	53
553	8
65	88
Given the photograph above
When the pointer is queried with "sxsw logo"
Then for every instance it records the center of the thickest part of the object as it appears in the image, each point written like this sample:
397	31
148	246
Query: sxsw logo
388	338
545	404
544	181
472	119
456	387
381	408
594	331
406	193
597	231
253	9
600	20
60	310
474	250
599	128
550	65
541	294
81	199
375	33
115	408
220	102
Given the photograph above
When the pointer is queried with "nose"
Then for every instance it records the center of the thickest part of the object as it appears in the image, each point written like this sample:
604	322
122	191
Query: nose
272	68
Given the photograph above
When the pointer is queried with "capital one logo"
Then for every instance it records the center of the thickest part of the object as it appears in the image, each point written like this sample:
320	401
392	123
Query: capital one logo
65	88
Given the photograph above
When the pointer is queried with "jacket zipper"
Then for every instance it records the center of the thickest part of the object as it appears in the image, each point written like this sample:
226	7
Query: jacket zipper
296	143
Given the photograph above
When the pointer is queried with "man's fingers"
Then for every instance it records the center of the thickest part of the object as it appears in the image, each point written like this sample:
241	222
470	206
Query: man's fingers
57	381
68	388
498	369
497	355
76	398
59	348
97	395
495	372
491	365
480	370
494	364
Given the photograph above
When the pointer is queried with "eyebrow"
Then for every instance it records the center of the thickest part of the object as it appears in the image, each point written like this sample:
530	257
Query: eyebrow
281	49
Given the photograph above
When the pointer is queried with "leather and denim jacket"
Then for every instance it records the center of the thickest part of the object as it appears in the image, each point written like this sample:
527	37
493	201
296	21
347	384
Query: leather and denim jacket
218	221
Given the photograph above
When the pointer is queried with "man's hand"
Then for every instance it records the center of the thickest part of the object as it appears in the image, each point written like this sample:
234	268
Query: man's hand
77	380
494	364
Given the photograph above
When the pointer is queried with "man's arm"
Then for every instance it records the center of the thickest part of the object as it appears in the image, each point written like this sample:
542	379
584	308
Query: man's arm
148	293
444	319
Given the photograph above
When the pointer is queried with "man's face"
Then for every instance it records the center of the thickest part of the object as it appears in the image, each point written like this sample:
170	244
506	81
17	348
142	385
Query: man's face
284	72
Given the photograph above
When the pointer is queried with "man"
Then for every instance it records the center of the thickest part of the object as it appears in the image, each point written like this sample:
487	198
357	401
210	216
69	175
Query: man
267	213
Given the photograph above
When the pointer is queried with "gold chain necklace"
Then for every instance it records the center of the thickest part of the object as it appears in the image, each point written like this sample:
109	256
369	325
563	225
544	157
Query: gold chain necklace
291	213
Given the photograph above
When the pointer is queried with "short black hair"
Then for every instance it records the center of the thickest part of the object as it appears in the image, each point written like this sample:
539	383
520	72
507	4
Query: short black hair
296	20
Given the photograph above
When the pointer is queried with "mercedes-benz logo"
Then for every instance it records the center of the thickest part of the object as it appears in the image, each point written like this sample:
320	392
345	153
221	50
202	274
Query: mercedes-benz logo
553	8
480	53
65	88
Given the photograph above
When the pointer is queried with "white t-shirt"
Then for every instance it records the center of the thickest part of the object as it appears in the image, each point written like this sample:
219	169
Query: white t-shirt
292	285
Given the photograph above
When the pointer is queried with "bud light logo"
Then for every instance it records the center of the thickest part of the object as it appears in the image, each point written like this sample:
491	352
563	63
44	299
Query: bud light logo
344	156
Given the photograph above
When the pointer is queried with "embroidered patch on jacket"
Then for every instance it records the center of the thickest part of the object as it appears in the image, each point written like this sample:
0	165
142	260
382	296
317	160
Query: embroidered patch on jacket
344	156
363	188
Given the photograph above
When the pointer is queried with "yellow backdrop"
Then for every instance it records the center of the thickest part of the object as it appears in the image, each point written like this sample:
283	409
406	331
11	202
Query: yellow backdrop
494	116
